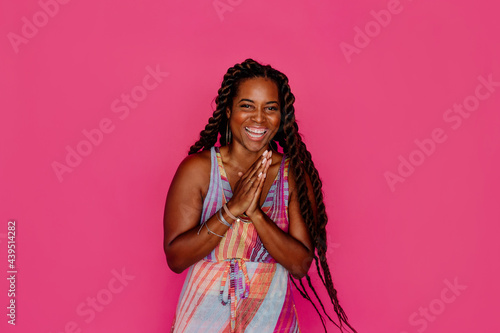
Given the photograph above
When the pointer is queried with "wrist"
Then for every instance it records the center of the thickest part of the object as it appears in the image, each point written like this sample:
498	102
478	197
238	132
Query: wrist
223	220
232	210
256	214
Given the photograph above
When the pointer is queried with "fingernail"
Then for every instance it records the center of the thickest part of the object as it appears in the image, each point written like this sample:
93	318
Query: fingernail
270	154
260	174
264	154
264	160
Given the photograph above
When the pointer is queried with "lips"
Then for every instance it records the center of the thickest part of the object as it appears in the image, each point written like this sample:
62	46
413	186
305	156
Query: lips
256	132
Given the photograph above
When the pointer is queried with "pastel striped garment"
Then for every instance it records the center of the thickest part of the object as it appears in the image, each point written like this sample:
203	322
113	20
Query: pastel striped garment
239	287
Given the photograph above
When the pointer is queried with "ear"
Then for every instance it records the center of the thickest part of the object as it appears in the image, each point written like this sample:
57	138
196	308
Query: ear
228	112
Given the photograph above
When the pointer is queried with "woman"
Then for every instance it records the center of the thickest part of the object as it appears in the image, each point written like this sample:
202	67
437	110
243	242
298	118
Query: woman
243	217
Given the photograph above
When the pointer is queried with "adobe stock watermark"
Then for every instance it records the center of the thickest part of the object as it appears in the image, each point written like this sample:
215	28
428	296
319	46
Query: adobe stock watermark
453	116
121	107
96	303
12	271
362	37
223	6
421	318
30	27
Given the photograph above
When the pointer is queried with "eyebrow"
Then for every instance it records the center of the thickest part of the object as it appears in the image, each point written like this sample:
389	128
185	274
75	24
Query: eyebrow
249	100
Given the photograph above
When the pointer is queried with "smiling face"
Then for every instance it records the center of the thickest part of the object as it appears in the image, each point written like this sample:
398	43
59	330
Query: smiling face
255	114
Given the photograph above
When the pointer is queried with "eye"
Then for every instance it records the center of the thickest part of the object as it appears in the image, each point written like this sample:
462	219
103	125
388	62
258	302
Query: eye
245	106
272	108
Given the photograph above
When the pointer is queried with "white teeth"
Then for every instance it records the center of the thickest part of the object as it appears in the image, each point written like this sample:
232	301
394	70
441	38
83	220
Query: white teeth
255	135
256	131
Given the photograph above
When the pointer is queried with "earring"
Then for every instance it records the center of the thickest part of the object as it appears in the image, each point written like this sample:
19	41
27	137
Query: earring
228	133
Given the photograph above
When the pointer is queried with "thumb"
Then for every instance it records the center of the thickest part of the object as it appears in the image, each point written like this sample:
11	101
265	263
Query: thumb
240	174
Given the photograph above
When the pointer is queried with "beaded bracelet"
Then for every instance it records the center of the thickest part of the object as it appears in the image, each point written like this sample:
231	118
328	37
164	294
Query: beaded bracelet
223	220
229	213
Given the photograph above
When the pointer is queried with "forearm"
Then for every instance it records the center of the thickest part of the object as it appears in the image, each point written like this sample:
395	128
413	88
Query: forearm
195	244
286	250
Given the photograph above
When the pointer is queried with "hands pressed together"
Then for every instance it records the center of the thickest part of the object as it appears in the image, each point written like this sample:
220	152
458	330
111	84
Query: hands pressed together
248	189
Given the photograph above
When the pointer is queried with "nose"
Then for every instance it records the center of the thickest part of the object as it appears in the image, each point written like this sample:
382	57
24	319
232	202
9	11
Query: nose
258	115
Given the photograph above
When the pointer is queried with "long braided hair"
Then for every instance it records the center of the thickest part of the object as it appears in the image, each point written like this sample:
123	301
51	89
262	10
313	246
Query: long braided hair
290	140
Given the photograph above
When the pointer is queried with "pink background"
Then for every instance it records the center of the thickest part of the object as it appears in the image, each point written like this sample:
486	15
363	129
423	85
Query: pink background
394	250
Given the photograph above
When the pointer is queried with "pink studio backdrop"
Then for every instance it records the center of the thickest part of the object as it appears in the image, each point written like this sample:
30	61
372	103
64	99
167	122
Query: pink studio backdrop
398	102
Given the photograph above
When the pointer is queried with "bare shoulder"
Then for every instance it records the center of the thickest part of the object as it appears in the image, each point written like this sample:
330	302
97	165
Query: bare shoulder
196	162
184	201
194	172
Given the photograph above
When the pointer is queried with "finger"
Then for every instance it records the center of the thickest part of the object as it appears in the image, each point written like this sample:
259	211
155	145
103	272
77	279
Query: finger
266	168
256	185
257	194
259	189
249	179
259	165
251	170
250	184
255	169
257	182
260	172
264	163
261	160
253	183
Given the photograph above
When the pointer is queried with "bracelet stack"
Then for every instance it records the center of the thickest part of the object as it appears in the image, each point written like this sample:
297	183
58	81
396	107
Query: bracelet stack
221	220
229	213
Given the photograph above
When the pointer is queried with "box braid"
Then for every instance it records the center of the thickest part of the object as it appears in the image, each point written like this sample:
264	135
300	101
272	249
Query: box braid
301	162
